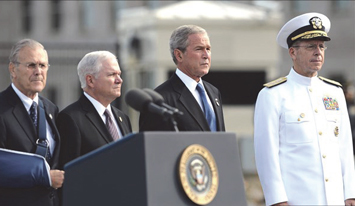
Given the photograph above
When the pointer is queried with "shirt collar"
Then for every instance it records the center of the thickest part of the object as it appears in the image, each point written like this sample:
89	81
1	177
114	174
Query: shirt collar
307	81
27	102
188	81
98	106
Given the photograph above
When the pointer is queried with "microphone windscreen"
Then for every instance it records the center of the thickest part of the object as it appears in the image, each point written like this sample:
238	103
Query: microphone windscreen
156	97
138	99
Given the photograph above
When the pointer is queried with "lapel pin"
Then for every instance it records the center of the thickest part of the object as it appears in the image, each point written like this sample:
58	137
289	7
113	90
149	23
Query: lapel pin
120	118
217	101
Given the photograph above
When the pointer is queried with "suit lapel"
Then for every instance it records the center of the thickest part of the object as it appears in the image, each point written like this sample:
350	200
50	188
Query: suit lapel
50	117
25	122
189	102
119	120
216	103
95	118
21	115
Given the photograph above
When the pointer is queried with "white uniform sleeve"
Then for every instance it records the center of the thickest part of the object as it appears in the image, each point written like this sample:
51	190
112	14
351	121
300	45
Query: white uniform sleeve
266	142
346	154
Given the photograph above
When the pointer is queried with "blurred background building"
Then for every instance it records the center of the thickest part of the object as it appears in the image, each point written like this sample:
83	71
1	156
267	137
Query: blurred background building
242	33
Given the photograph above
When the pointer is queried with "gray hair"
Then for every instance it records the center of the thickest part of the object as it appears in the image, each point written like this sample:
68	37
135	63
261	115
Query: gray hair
179	38
21	44
91	63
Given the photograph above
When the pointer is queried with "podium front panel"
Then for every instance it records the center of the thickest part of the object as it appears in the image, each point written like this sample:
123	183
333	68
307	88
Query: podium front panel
143	169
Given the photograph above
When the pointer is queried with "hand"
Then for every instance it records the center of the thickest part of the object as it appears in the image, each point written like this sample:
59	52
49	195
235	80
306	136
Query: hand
57	178
350	202
281	204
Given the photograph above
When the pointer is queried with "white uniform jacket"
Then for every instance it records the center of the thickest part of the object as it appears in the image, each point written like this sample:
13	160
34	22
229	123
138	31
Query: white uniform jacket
303	143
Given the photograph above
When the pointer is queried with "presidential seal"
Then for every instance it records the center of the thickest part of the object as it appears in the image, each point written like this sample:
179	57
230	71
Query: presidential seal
198	174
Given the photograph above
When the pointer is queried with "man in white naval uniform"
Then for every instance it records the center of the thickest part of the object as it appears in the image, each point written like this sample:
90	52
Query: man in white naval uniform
302	135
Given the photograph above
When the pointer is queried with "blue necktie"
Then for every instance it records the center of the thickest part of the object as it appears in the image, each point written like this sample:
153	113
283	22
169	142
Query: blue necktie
210	115
33	113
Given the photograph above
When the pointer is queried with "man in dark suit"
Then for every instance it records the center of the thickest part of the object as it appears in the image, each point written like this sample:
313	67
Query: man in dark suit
84	125
191	51
28	71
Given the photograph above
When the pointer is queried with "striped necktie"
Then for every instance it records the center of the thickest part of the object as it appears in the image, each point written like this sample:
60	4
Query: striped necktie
110	126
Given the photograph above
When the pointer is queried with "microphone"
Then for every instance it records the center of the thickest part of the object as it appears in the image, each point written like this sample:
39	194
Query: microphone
141	101
159	100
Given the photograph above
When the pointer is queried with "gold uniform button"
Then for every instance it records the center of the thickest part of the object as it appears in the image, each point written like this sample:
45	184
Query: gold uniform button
326	179
298	119
316	110
302	115
320	133
324	156
310	89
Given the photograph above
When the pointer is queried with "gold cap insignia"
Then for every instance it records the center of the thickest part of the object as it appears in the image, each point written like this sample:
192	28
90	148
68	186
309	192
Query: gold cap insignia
316	22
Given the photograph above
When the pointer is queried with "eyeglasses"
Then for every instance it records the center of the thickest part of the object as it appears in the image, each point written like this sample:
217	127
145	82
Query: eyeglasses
312	47
33	66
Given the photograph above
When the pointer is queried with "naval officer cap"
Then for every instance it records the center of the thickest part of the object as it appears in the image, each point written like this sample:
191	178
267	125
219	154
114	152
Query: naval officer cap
304	27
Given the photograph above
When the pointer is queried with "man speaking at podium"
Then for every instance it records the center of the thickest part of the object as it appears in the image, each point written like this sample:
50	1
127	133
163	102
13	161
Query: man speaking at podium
199	101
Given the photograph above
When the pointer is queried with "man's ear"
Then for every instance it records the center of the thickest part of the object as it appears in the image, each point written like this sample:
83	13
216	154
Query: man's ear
89	80
12	69
292	52
178	55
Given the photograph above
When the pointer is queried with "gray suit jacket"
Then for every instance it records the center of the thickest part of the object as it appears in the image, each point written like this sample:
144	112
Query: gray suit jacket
176	94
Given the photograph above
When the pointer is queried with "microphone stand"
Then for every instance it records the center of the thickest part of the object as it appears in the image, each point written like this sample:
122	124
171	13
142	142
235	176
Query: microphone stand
174	112
169	116
173	122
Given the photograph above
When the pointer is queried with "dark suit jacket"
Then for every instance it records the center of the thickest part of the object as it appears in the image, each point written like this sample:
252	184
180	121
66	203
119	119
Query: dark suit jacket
18	133
176	94
82	129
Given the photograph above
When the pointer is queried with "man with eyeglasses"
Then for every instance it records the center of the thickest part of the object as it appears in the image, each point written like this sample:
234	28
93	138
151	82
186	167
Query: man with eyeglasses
302	134
29	140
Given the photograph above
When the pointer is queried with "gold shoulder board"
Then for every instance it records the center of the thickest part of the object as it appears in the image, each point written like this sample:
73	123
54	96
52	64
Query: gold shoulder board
329	81
276	82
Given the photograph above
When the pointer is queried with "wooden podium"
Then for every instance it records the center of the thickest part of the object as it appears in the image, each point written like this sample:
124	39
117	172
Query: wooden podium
144	169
